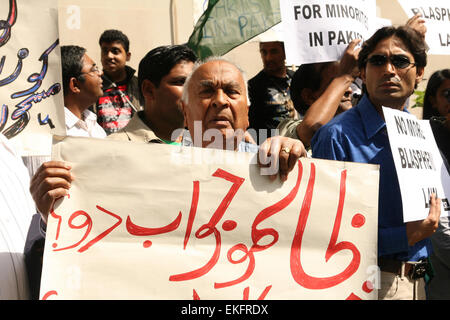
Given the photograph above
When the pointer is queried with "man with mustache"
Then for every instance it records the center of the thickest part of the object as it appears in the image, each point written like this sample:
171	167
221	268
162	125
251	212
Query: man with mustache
391	63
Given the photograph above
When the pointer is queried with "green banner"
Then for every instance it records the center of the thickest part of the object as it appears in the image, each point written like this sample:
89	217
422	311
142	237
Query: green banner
226	24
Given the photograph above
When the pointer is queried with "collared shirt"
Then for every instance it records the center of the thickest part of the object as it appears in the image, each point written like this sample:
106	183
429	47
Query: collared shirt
83	128
359	135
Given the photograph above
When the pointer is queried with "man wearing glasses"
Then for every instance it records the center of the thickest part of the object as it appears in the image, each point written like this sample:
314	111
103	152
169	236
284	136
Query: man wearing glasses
391	63
82	85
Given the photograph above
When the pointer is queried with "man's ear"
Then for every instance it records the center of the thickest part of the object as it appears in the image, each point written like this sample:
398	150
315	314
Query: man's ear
128	56
419	74
148	89
74	85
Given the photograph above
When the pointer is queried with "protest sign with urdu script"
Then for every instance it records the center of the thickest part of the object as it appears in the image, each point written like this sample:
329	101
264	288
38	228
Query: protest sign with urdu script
151	221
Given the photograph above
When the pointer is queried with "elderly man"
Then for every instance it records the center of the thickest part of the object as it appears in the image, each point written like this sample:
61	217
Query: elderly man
392	63
82	85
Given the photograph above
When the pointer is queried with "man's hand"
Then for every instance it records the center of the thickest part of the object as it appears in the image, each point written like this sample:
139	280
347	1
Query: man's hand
278	155
422	229
418	23
50	182
349	61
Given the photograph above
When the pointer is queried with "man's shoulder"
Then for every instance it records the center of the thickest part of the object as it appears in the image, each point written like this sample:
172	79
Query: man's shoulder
349	120
260	76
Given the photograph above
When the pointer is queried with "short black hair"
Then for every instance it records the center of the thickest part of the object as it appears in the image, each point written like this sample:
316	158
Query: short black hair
159	61
113	35
308	76
71	63
410	37
433	85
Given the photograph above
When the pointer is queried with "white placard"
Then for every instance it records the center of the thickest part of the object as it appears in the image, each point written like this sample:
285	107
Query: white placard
437	20
319	31
418	162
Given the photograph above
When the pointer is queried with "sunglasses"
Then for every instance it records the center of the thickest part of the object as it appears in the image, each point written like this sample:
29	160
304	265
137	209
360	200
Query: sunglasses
398	61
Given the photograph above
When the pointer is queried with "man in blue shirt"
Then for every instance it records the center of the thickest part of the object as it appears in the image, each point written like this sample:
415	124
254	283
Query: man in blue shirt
392	63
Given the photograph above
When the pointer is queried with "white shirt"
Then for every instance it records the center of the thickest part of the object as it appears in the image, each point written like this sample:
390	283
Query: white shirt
83	128
16	210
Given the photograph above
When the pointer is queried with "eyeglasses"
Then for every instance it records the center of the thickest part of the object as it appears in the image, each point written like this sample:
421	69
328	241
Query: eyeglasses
446	94
94	69
398	61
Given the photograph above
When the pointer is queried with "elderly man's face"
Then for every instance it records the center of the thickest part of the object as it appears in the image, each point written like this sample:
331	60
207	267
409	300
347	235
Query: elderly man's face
218	98
387	84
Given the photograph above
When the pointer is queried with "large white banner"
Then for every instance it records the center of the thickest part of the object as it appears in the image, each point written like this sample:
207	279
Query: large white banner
418	162
150	221
437	20
31	107
319	31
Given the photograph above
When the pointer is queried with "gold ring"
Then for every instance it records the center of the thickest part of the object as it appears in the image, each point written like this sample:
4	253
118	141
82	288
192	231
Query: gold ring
286	149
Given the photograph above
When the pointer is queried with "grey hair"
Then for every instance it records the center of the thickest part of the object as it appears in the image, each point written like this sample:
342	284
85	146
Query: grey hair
198	64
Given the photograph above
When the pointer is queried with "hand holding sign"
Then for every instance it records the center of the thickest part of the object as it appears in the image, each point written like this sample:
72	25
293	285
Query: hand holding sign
422	229
50	182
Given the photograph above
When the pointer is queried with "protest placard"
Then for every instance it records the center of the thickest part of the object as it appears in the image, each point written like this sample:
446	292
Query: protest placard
30	75
419	165
194	223
436	14
319	31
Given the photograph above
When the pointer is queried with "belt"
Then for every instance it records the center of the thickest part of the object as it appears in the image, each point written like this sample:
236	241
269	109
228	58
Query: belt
412	269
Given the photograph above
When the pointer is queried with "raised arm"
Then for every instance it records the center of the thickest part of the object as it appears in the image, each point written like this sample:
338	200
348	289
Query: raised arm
324	108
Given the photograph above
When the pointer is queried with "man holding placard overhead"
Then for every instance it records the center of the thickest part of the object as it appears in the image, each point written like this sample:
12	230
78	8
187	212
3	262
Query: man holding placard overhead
392	63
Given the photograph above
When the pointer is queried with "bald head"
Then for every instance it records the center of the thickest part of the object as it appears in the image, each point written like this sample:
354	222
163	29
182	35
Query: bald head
215	96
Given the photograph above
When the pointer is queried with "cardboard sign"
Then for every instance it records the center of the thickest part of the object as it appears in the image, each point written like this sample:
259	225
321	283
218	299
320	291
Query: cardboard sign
436	14
320	31
419	165
31	94
151	221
